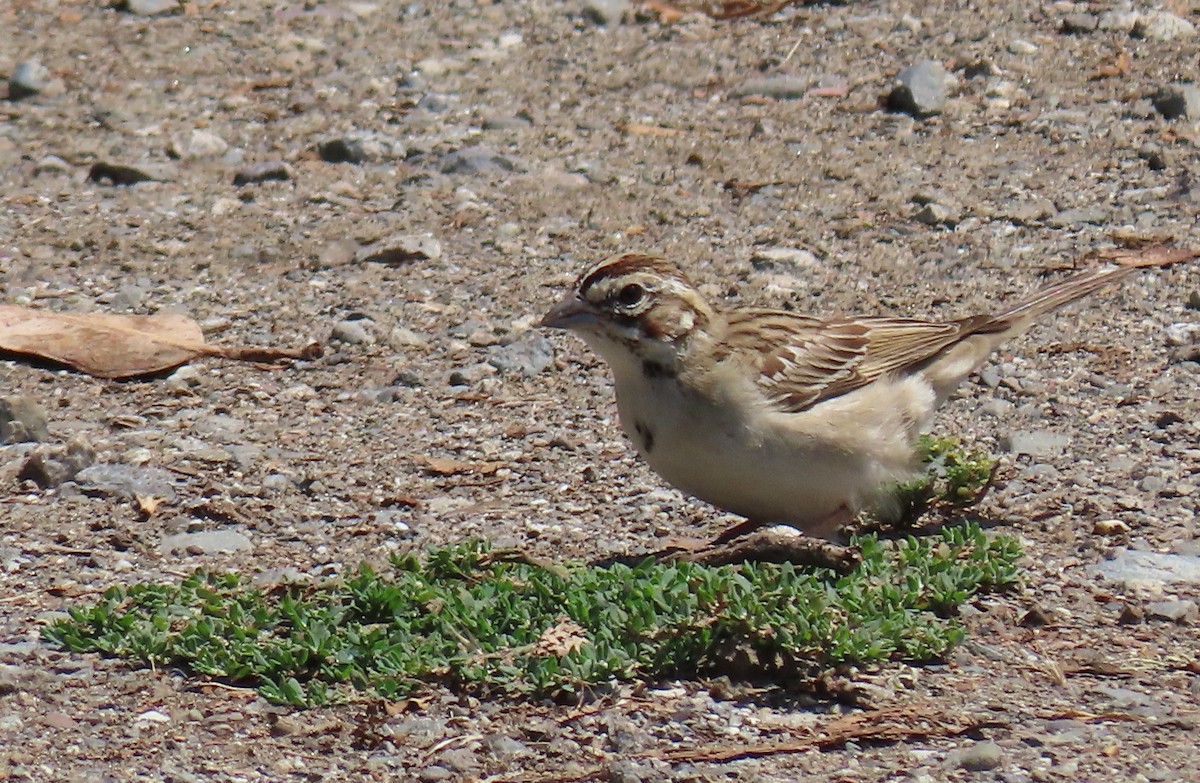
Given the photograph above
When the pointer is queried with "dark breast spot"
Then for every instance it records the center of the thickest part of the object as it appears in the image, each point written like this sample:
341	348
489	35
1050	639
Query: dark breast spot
646	435
654	370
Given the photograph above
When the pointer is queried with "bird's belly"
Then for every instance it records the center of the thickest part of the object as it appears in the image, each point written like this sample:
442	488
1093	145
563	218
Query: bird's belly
763	475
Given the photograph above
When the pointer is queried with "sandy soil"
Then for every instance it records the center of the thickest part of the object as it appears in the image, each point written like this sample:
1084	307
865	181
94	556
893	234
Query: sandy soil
516	143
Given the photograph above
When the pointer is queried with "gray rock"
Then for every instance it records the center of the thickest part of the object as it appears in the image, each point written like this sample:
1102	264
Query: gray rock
1130	567
1078	216
606	12
186	377
22	420
503	746
436	102
1029	211
921	91
1079	24
1121	20
151	7
935	214
1182	333
1154	155
626	771
50	466
412	82
777	87
1162	26
1021	47
206	542
270	171
476	161
128	481
1181	612
1178	100
783	259
1124	698
198	144
461	760
470	375
402	249
31	78
978	757
52	164
528	355
505	122
121	174
408	378
435	774
1040	471
1035	443
1065	731
352	332
403	337
342	151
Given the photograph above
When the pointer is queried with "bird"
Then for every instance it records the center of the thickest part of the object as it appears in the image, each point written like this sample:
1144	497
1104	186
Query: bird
780	417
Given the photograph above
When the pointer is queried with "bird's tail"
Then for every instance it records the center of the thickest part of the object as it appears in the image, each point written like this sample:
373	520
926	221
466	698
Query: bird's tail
1020	316
987	333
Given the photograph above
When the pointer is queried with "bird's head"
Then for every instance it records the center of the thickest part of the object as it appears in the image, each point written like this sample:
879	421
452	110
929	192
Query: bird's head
633	303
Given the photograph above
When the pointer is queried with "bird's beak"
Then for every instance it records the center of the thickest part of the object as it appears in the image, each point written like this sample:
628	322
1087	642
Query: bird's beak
571	313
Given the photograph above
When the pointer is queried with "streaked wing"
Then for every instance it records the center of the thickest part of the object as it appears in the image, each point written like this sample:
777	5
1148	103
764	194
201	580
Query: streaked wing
802	360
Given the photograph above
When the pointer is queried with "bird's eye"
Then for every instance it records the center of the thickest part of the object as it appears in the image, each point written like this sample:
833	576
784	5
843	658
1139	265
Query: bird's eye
630	295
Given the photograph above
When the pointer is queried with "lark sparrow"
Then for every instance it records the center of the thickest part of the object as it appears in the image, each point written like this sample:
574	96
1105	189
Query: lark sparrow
775	416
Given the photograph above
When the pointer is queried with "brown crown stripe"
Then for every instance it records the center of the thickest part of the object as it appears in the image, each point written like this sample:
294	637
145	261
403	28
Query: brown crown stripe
628	263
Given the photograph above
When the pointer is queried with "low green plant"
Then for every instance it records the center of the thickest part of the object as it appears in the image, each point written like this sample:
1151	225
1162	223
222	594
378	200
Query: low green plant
476	621
954	478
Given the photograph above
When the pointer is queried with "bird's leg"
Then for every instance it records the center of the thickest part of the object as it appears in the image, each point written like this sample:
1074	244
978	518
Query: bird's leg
826	527
743	528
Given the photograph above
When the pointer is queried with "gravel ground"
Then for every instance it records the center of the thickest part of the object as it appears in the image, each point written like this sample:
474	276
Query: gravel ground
413	184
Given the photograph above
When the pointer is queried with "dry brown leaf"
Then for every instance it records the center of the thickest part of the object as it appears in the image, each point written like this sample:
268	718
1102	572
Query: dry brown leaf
735	9
1148	256
564	637
107	345
147	505
668	13
444	466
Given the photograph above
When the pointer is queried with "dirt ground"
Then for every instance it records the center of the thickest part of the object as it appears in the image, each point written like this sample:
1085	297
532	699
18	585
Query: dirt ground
498	148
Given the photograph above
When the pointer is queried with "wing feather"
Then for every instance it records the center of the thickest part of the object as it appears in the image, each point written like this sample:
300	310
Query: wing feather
802	360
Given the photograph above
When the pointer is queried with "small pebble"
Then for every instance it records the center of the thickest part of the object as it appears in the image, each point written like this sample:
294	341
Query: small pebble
979	757
476	161
206	542
1080	23
31	78
1181	612
270	171
1162	26
1178	101
23	420
921	91
198	144
355	332
526	356
151	7
606	12
341	151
